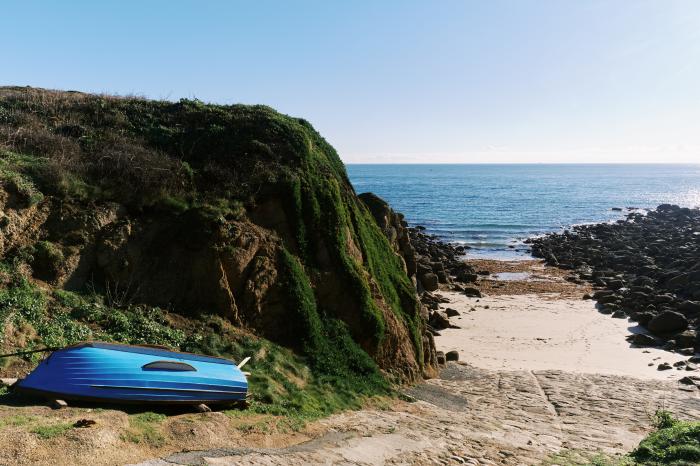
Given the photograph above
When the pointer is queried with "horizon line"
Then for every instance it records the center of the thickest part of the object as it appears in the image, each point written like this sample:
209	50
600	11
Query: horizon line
521	163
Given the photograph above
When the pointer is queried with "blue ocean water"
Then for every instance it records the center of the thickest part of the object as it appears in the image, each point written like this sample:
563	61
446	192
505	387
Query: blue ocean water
490	207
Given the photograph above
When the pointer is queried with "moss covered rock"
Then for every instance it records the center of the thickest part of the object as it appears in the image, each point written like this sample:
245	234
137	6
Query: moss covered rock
232	210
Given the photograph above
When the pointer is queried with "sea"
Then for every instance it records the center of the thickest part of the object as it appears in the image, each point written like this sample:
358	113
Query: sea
493	208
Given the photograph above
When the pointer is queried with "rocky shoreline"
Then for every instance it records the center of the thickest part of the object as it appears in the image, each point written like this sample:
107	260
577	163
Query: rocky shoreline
645	268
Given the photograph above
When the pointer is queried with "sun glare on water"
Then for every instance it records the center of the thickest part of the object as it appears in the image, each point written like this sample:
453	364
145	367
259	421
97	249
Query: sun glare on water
690	198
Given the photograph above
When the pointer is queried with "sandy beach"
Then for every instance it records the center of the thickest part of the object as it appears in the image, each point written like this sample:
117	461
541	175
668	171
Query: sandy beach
541	332
532	318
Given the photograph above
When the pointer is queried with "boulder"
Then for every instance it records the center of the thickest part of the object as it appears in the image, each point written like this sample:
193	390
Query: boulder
689	308
440	358
644	317
668	322
439	320
642	339
451	312
429	281
472	292
615	284
600	294
466	276
685	339
609	299
688	381
678	281
452	356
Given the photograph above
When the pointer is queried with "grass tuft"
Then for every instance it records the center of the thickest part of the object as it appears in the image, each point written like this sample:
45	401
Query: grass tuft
17	420
145	428
674	442
50	431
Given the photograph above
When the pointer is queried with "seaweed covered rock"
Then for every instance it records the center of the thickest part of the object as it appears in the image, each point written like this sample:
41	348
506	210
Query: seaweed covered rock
208	209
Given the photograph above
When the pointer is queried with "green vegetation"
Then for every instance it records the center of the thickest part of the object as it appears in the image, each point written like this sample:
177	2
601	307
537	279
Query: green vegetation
282	383
145	428
218	163
338	221
673	443
214	158
16	420
326	342
129	324
51	430
32	424
65	318
22	303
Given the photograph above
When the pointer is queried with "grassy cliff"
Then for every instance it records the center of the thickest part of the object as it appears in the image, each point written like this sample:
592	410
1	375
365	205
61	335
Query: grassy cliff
160	213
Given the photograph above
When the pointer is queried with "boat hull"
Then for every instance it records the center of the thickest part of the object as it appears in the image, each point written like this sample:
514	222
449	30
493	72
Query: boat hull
131	374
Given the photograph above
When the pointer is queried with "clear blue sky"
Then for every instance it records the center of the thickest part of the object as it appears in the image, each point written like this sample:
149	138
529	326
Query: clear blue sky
406	81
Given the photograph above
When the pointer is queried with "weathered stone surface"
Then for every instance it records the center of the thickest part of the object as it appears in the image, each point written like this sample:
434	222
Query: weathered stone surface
472	292
667	322
685	339
642	339
528	416
439	320
429	281
441	358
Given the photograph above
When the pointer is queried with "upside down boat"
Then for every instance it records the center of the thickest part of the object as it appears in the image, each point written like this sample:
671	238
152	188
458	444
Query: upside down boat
117	373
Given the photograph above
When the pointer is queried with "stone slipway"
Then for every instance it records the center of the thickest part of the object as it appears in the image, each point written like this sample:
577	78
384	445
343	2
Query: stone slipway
478	416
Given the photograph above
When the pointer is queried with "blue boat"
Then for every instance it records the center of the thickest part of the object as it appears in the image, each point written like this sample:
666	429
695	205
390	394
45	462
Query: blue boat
111	372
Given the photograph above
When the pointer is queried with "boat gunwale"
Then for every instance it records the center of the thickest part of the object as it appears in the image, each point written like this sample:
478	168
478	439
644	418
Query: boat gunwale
51	395
154	351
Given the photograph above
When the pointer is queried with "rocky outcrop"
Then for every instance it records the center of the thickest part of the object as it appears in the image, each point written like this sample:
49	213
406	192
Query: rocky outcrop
431	264
395	229
203	209
646	266
444	260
